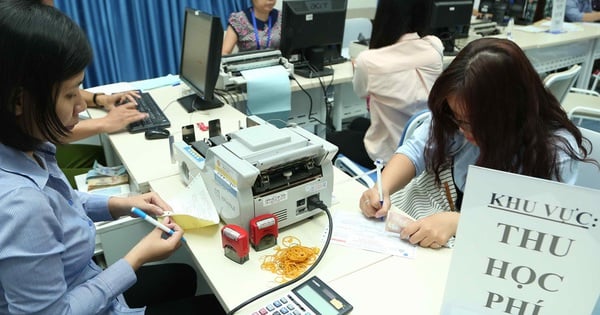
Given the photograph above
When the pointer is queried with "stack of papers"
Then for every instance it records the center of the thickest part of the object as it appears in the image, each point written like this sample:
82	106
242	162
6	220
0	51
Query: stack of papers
193	206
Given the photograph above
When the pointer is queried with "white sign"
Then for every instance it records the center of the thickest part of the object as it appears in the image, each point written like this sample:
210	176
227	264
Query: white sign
558	16
524	246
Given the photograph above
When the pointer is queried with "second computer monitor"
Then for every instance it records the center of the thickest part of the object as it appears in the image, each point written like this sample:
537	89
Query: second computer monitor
450	20
200	59
312	34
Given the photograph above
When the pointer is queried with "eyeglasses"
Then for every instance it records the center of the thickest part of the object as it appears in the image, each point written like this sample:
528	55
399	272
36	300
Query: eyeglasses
464	125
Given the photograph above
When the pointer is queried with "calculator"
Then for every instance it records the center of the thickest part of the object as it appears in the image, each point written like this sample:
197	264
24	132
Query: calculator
312	297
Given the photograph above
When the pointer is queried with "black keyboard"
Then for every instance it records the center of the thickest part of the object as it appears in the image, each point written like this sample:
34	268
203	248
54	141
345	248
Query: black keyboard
156	118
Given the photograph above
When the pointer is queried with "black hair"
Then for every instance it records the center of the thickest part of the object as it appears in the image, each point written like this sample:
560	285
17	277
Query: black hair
40	48
394	18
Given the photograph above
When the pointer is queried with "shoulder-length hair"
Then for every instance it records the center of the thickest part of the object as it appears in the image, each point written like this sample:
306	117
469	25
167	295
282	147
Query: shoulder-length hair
41	48
394	18
512	116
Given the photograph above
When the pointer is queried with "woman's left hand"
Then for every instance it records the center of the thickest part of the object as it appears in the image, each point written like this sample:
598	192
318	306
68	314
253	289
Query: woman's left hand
433	231
110	101
151	203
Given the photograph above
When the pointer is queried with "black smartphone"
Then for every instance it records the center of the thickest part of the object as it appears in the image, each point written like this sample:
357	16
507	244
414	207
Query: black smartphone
187	134
214	128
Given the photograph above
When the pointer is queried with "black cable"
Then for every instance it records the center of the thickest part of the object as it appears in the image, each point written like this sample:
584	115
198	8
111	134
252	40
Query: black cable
225	94
315	201
328	106
310	102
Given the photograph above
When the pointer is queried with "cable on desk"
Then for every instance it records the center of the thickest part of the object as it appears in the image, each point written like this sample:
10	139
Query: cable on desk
315	201
224	94
167	106
328	104
310	102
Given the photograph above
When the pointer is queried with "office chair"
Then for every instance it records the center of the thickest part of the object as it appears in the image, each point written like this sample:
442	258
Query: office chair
352	29
585	117
366	176
560	83
588	173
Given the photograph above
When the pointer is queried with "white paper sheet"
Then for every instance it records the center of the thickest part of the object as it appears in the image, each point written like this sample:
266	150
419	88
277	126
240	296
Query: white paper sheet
355	230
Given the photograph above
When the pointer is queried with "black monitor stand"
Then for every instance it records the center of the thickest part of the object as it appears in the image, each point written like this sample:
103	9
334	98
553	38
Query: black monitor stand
311	72
193	102
314	68
449	46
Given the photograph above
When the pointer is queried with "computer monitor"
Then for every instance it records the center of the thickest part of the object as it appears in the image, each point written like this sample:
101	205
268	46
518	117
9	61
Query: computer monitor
496	10
521	11
200	59
450	20
485	7
312	34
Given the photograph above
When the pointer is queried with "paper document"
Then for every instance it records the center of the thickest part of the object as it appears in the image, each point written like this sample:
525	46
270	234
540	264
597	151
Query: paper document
112	88
149	84
193	207
566	27
269	94
353	229
531	29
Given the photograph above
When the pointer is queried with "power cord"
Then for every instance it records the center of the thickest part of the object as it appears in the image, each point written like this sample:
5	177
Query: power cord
310	102
326	98
317	203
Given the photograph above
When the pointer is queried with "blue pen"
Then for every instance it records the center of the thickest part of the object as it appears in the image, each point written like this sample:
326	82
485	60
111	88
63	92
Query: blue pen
379	166
148	218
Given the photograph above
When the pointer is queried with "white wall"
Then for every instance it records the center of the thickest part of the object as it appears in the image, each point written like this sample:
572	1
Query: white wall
356	8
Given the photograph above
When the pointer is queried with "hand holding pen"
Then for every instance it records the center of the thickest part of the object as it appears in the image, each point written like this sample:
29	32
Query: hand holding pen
154	246
153	221
373	201
379	166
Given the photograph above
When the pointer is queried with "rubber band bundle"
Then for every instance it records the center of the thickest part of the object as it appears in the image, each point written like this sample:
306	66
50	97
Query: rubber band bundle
290	260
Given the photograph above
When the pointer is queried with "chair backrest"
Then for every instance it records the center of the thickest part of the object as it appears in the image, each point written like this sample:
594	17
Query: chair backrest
588	173
361	173
354	27
560	83
586	117
415	121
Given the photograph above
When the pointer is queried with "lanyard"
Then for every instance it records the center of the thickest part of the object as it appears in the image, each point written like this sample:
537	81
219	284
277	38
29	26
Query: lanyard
256	31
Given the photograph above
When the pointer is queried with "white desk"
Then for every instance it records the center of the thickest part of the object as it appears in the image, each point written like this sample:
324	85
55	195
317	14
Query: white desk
554	51
397	285
548	52
146	160
345	104
349	271
149	165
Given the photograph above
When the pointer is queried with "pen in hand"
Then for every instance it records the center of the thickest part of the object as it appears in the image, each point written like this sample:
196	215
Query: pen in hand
150	219
379	166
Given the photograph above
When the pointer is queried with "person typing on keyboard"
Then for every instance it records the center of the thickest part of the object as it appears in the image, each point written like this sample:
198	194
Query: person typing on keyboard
78	158
75	159
117	118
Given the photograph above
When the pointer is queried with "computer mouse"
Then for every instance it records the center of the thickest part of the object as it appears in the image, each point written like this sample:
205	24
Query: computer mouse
157	133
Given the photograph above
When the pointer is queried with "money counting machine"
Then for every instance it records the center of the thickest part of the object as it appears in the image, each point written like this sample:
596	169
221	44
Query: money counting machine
260	170
230	73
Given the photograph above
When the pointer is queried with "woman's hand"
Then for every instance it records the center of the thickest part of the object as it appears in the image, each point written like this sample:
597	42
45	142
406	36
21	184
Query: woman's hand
151	203
120	116
371	207
109	102
433	231
154	246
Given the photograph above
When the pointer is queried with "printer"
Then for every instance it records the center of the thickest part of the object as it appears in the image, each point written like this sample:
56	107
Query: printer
230	76
262	169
